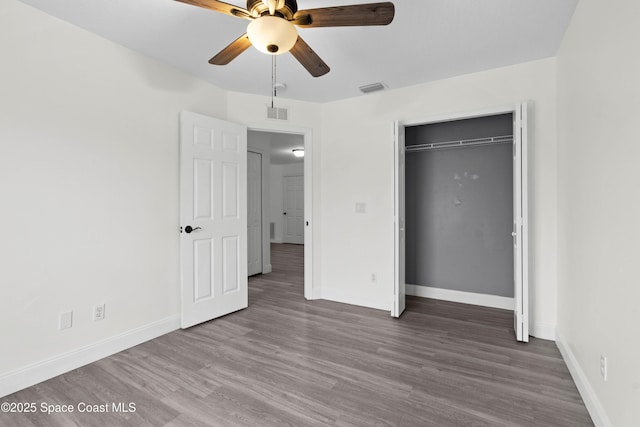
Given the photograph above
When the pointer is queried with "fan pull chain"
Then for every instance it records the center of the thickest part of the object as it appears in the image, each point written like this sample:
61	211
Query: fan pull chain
273	78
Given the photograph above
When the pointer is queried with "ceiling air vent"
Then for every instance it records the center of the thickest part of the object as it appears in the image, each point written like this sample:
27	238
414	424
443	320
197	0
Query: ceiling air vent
373	87
277	113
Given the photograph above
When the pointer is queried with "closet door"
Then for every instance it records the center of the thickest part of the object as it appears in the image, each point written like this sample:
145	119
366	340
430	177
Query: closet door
399	222
520	225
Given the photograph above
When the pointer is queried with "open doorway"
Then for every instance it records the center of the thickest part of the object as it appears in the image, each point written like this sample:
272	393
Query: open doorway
460	208
279	164
459	216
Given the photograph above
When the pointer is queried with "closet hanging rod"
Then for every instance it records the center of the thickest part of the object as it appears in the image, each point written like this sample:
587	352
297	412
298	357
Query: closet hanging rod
460	143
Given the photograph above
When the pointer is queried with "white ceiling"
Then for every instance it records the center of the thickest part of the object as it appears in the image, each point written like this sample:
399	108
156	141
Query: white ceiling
428	40
280	145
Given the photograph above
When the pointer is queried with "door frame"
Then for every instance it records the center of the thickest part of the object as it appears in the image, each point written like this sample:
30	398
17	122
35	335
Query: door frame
309	290
521	228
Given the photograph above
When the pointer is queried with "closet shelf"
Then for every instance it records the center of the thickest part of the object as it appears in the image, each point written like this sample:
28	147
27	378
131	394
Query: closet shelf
460	143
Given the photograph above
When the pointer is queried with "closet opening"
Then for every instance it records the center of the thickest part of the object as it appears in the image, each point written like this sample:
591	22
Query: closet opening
460	217
459	213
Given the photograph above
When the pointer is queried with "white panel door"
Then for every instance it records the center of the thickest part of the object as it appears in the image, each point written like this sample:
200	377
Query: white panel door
254	213
399	285
293	220
213	215
520	225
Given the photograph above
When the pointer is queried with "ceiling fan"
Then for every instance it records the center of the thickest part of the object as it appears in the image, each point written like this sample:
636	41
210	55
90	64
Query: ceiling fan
272	27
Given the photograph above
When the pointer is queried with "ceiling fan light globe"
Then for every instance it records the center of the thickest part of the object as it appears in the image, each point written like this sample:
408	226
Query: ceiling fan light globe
272	35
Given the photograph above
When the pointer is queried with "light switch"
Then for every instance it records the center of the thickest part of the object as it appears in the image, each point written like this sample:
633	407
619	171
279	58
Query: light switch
361	207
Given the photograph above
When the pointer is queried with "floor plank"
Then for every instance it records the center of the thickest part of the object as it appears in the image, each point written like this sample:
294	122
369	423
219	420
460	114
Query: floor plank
285	361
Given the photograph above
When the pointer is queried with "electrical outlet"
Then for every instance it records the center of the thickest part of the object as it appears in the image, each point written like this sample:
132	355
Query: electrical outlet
98	312
66	320
604	368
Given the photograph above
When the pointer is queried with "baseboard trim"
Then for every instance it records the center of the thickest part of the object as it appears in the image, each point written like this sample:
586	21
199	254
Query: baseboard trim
591	401
268	268
494	301
35	373
316	293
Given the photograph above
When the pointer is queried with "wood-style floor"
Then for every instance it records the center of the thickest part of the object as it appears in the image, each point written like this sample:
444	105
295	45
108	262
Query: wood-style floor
285	361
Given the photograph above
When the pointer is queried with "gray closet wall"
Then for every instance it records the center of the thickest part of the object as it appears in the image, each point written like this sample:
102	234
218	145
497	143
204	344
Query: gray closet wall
459	208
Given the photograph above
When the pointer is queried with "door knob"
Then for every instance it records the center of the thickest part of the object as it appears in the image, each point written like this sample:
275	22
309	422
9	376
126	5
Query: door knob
284	213
188	229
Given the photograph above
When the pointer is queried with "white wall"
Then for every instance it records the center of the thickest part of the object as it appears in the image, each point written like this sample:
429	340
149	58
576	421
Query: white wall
89	185
598	206
357	166
276	197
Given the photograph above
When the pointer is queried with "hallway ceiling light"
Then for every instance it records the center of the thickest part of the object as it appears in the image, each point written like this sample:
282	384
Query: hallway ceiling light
298	152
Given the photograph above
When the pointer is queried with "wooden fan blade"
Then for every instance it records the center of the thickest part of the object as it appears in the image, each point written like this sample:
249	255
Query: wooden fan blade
221	7
309	59
230	52
346	16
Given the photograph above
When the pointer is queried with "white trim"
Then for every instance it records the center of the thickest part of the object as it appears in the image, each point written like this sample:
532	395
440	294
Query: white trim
486	300
35	373
588	394
309	291
448	117
308	216
354	298
545	331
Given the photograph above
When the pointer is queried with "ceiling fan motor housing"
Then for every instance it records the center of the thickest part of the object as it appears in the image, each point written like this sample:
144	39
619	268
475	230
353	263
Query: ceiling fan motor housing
259	8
